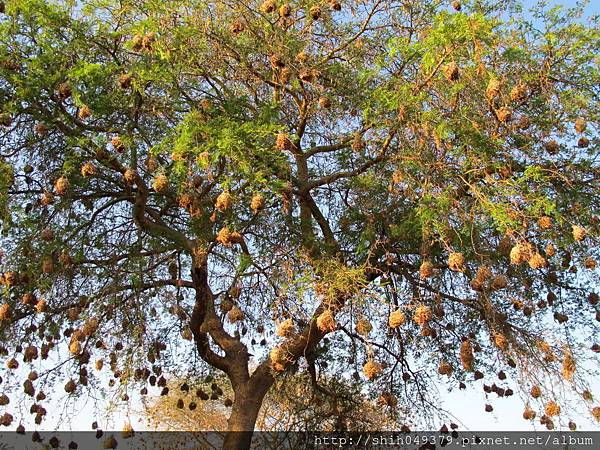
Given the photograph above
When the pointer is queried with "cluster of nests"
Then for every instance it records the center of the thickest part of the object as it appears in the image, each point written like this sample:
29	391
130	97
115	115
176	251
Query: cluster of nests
285	10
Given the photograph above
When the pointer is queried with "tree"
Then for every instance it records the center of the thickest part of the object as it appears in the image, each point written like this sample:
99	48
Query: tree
395	188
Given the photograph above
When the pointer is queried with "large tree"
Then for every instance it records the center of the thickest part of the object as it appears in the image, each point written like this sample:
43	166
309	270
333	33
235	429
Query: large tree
397	192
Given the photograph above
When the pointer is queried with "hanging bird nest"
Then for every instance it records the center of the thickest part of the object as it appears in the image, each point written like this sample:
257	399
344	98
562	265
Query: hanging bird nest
335	5
493	89
580	125
456	5
61	186
466	355
445	368
88	169
41	306
484	273
551	147
285	10
282	142
535	392
579	233
225	237
29	299
583	142
451	71
596	413
63	91
524	123
521	252
550	250
315	13
70	386
589	263
364	327
518	93
5	313
504	114
537	261
423	315
324	102
130	176
160	183
268	6
426	270
185	200
528	413
372	369
223	201
499	282
396	319
545	222
84	112
456	262
568	367
326	321
235	314
257	203
47	265
279	358
285	329
124	80
552	409
41	129
501	341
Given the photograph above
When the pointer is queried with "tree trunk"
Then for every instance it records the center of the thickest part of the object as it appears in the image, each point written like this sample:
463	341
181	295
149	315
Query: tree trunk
242	420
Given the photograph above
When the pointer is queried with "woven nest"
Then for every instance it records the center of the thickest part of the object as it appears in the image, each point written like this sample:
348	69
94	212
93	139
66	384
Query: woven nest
84	112
518	93
445	368
552	409
90	326
41	306
5	313
483	273
521	252
528	413
504	114
545	222
88	169
501	341
70	386
285	10
151	164
324	102
124	80
551	147
235	314
568	367
11	278
426	270
64	91
537	261
423	314
279	357
65	259
363	327
583	142
224	236
372	369
580	125
477	284
499	282
12	364
466	355
451	71
268	6
456	5
237	27
41	129
61	186
315	13
493	89
185	200
160	183
596	413
29	299
47	265
456	261
75	348
396	319
550	250
223	201
282	142
579	233
326	321
257	203
335	5
524	123
589	263
285	328
535	392
130	176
